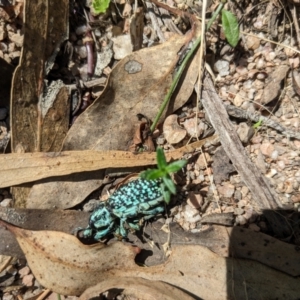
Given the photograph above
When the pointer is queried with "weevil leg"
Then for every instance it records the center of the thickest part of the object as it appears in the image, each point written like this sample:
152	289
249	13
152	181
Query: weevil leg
147	205
103	232
152	212
123	231
135	226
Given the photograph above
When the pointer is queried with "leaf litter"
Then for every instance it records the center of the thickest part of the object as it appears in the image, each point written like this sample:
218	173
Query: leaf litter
228	91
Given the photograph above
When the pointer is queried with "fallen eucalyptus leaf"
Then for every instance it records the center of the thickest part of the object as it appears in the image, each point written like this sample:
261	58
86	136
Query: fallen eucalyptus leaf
30	129
64	265
137	288
19	168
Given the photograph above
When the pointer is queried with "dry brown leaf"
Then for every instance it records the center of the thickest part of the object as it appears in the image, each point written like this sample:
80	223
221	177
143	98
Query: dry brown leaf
17	168
136	85
273	86
30	129
137	288
221	240
41	41
191	268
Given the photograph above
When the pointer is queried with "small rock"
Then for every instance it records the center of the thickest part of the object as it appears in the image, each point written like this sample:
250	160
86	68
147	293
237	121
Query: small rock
274	155
271	173
195	200
295	198
288	186
8	296
252	42
28	280
192	129
222	67
267	149
81	30
227	190
7	203
81	51
203	163
24	271
238	211
17	38
122	46
241	220
238	100
248	211
229	209
191	215
242	203
260	64
244	191
172	131
245	132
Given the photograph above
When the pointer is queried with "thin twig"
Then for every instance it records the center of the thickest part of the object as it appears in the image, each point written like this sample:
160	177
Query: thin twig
199	85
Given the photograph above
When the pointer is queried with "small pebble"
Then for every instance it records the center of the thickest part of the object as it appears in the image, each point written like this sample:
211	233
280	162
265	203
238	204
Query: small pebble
24	271
28	280
194	200
226	190
6	202
81	30
191	215
241	220
238	211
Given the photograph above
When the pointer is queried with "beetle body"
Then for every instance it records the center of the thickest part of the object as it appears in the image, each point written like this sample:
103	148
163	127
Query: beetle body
129	206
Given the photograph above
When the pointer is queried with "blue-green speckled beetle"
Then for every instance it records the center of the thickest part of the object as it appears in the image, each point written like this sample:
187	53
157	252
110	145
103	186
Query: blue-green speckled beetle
131	204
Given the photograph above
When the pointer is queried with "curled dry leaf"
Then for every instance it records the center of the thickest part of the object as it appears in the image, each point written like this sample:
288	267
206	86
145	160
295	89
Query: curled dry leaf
64	265
172	131
274	84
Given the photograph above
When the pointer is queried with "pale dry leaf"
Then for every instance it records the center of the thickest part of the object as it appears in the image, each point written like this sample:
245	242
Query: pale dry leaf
172	131
61	263
274	84
137	288
30	130
19	168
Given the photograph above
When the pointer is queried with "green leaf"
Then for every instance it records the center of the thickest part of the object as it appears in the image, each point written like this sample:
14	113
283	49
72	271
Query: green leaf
231	27
258	124
152	174
176	166
168	182
100	6
166	193
161	159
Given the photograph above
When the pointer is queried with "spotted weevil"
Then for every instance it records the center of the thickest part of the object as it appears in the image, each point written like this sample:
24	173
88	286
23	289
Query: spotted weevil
129	206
